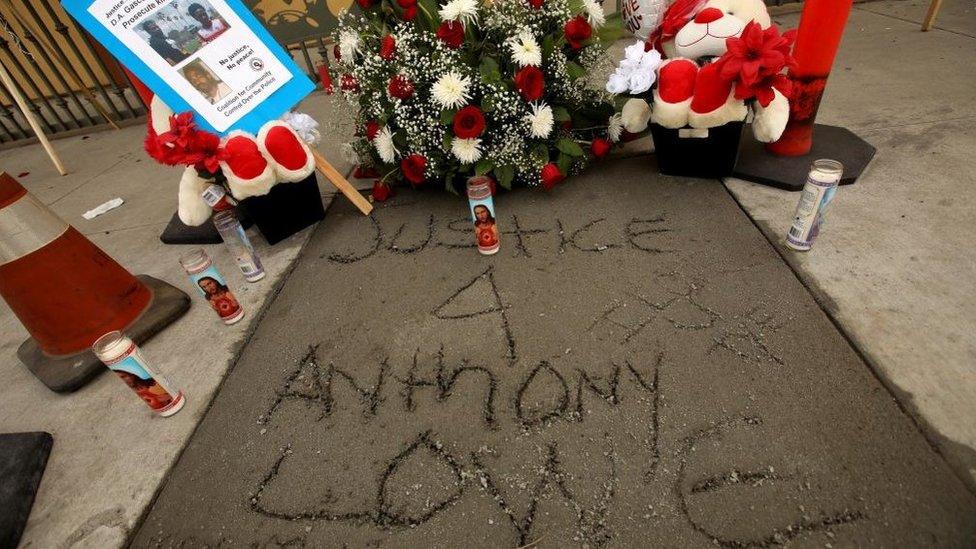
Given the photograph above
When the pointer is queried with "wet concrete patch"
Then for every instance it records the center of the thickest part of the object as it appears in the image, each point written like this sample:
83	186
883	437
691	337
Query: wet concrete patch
636	367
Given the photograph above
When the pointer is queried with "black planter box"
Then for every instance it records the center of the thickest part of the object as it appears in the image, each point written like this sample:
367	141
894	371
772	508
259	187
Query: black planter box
287	209
711	157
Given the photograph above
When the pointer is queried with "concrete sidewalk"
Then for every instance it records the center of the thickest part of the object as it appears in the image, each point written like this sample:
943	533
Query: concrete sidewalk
621	374
895	265
110	455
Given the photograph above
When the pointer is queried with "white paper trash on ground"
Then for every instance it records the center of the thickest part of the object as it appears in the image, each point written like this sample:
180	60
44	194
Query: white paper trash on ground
102	208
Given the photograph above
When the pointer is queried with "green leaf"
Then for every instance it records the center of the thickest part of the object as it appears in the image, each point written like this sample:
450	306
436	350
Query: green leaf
505	176
564	162
447	116
541	151
575	70
547	46
489	69
560	114
487	105
483	166
447	142
569	147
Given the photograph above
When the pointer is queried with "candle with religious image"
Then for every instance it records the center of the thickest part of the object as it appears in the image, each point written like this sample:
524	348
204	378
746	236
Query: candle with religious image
123	357
483	213
212	286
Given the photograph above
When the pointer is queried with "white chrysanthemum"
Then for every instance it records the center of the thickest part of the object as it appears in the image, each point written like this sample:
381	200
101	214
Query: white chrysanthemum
525	49
348	44
615	127
465	11
540	120
594	13
384	145
451	91
466	150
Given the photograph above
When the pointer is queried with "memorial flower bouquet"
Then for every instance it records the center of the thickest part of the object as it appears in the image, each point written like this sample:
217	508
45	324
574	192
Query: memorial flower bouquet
464	87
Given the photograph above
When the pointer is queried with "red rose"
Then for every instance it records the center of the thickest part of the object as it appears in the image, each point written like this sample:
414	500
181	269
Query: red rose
469	122
348	83
409	14
413	168
406	3
550	176
365	4
530	83
372	128
400	87
535	3
577	30
451	33
599	147
363	172
387	47
380	191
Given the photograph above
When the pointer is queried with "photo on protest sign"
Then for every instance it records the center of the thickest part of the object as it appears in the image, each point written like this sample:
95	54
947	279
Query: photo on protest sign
201	77
209	56
179	29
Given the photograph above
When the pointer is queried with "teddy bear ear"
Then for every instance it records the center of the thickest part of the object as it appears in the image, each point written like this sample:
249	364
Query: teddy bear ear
746	10
289	155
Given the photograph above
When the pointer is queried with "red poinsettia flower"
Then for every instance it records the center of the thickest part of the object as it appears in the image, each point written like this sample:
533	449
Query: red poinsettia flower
400	87
413	167
550	176
451	33
469	122
530	82
675	17
387	47
348	83
185	144
755	61
381	191
599	147
577	31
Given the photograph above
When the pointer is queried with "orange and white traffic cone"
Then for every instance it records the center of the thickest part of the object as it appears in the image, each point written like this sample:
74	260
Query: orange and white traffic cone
67	292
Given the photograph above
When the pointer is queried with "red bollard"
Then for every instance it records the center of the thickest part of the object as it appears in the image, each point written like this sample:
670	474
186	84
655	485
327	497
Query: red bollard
817	40
67	292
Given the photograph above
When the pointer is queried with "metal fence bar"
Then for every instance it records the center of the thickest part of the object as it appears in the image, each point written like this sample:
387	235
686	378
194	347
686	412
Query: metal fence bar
9	114
65	31
22	75
101	65
54	44
52	91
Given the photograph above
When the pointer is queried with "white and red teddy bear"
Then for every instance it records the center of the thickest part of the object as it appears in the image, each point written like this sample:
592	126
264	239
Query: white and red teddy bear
721	58
251	164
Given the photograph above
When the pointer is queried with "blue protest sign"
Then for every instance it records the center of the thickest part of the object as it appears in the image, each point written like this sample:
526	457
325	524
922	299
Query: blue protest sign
209	56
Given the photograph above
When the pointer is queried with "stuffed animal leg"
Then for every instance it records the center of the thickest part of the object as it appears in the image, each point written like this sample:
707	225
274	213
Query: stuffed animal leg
192	209
769	122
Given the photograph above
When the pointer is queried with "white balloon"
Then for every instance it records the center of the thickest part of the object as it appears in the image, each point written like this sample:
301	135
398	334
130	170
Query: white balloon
641	17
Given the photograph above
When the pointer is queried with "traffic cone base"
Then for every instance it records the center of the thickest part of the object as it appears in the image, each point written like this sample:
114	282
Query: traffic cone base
68	373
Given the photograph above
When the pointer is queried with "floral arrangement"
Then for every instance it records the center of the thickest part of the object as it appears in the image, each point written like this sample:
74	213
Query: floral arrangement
476	87
708	63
